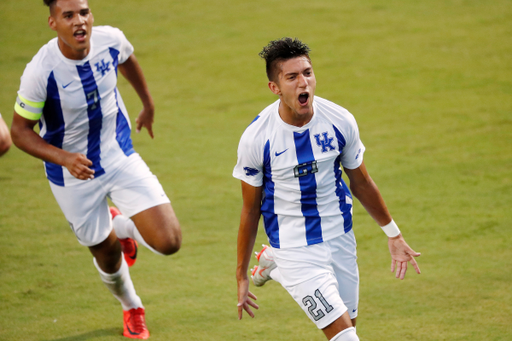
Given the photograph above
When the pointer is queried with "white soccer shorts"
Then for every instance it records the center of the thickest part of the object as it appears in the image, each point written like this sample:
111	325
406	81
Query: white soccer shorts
322	278
132	188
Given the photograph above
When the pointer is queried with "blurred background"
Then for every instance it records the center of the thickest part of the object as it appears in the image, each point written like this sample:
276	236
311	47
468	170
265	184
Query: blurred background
430	85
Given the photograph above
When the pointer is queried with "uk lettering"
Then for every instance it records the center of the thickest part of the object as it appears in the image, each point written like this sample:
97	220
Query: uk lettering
325	143
102	67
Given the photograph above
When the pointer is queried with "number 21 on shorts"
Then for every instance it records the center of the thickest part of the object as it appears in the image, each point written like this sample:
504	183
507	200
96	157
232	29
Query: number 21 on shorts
311	304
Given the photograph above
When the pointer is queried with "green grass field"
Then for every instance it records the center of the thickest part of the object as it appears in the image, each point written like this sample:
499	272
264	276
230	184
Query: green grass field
430	84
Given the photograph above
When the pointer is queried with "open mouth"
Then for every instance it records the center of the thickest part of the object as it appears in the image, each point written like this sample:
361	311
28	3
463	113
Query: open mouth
303	98
79	34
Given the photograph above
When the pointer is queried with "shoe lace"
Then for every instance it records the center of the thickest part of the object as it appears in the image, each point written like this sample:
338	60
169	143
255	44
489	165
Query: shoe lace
138	322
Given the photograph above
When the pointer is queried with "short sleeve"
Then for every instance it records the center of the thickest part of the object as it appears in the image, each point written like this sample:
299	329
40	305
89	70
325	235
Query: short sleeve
119	41
249	166
32	93
352	154
126	48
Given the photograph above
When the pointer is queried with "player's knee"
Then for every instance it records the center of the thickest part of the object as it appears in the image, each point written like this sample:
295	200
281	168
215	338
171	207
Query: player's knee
170	244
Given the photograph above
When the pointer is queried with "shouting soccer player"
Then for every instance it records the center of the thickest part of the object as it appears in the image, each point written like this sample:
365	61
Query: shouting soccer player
289	161
70	89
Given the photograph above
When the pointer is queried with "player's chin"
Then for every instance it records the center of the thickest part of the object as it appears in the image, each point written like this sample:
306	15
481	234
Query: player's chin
305	109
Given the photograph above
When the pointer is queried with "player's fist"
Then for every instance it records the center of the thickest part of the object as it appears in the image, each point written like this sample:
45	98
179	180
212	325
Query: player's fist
78	165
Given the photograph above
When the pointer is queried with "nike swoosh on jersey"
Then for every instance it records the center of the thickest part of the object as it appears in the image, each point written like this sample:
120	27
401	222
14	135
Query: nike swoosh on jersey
65	86
277	154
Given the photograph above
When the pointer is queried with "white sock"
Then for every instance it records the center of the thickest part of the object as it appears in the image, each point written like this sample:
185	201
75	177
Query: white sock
276	275
121	286
125	228
348	334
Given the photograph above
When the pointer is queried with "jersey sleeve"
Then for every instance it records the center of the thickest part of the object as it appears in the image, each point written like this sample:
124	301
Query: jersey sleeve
126	48
352	154
32	93
249	166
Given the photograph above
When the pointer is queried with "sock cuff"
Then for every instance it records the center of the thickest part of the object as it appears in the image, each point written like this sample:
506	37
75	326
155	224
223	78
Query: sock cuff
111	277
348	334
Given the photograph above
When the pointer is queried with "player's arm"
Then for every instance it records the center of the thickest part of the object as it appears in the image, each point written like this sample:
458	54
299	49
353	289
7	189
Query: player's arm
132	71
366	191
5	137
251	211
26	139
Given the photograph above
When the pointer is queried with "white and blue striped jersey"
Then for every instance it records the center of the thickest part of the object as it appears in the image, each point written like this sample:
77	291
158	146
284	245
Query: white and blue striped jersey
305	200
77	102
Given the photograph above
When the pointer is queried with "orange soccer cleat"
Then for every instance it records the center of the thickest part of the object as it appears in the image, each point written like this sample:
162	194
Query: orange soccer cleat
128	245
260	274
135	324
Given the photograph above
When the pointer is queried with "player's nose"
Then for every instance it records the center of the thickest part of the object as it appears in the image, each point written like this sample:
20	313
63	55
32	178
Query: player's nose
303	81
79	19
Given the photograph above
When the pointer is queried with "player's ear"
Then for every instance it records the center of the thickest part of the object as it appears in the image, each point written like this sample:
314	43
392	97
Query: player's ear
274	87
51	23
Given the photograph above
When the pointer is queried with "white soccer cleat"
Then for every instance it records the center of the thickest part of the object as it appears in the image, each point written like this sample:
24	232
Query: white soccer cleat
260	274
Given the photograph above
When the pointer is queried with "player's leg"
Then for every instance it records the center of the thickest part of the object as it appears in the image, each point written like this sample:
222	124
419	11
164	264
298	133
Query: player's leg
147	214
86	209
341	329
159	227
114	272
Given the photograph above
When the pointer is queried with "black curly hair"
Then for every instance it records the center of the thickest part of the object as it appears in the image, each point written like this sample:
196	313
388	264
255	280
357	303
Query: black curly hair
281	50
49	2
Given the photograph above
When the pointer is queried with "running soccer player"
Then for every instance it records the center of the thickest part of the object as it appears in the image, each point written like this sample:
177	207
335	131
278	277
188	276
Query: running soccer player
289	163
70	89
5	137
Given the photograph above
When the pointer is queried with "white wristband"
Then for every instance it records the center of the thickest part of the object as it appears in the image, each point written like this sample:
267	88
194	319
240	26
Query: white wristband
391	230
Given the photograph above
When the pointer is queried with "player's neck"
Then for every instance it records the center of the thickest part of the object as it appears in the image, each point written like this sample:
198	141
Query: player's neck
71	53
291	117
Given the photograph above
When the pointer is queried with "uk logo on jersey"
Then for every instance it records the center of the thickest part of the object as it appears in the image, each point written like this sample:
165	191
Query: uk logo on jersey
102	67
326	143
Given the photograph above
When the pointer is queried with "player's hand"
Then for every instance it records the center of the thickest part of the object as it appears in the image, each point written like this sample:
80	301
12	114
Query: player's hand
401	254
245	298
145	119
78	165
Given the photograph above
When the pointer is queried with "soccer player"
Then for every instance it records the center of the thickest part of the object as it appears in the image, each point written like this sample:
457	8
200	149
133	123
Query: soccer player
290	161
5	137
70	89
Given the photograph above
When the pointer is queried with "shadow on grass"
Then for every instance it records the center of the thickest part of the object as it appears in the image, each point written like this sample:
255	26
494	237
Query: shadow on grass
91	335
